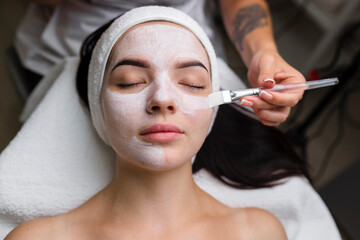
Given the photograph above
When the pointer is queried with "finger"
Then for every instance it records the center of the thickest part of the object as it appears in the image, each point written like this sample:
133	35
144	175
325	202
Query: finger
269	83
268	123
281	99
292	77
246	103
256	103
277	115
266	72
268	100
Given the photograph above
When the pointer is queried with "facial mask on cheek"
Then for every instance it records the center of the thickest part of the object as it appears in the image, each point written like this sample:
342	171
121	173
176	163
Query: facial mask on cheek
190	104
124	114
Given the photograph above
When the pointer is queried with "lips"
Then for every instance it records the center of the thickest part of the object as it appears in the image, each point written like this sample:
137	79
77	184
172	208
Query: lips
162	133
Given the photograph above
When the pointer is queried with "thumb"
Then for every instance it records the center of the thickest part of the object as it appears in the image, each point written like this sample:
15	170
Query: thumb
266	72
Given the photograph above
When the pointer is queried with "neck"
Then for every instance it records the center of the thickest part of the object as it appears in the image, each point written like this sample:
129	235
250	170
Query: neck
162	198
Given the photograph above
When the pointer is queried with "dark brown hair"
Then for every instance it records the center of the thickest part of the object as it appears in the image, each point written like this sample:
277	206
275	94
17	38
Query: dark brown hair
244	153
240	151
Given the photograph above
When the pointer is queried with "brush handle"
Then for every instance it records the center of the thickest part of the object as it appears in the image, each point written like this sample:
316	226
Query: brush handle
296	87
282	88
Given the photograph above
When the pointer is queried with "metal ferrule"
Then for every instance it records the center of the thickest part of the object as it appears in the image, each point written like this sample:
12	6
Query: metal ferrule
236	95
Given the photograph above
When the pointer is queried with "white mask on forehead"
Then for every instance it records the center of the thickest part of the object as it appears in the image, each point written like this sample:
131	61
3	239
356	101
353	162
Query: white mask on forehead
162	46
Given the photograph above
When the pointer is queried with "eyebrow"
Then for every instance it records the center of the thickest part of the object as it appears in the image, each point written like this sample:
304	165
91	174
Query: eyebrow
132	62
192	64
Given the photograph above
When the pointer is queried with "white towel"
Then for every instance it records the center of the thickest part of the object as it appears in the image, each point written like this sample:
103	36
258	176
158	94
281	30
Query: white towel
56	163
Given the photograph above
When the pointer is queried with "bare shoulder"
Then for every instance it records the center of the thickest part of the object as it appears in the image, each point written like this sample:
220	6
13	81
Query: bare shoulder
259	224
42	228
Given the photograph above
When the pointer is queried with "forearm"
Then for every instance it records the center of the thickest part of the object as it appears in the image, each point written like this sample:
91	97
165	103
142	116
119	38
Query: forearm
248	24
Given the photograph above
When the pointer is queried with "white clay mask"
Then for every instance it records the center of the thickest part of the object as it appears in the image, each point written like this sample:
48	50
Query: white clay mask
169	83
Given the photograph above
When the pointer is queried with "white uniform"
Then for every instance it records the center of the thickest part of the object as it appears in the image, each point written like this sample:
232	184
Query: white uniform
48	33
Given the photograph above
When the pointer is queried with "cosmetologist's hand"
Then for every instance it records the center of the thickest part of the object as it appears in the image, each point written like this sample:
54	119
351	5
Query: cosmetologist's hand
272	108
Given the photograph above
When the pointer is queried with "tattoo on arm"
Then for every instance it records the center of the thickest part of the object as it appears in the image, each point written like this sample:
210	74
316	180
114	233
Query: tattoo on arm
246	20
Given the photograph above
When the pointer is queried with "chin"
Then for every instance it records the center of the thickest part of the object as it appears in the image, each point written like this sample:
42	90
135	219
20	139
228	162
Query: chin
175	158
161	157
170	161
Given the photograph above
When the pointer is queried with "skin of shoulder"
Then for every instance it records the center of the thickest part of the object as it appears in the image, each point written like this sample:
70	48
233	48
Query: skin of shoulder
42	228
258	223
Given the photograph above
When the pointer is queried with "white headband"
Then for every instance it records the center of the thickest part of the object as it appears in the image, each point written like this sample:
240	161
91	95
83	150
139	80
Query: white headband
108	39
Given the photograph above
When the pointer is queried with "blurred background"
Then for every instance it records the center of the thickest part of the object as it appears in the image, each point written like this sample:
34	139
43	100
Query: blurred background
320	38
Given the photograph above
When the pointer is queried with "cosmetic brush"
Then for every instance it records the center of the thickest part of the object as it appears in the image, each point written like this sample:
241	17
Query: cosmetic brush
228	96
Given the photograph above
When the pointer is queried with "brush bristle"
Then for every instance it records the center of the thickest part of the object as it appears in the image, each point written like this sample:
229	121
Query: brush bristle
218	98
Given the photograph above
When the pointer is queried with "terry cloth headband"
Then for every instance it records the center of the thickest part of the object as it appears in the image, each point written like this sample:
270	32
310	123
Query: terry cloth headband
106	42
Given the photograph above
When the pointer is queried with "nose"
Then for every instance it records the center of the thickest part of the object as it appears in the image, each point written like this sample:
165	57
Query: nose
161	102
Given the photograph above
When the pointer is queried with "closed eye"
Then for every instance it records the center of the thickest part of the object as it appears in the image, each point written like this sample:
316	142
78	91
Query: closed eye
128	85
194	86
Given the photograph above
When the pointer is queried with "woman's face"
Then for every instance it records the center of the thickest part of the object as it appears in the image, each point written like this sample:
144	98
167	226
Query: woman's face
154	97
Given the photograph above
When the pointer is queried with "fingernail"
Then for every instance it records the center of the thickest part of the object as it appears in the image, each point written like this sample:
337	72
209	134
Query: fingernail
265	95
269	80
269	83
246	103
